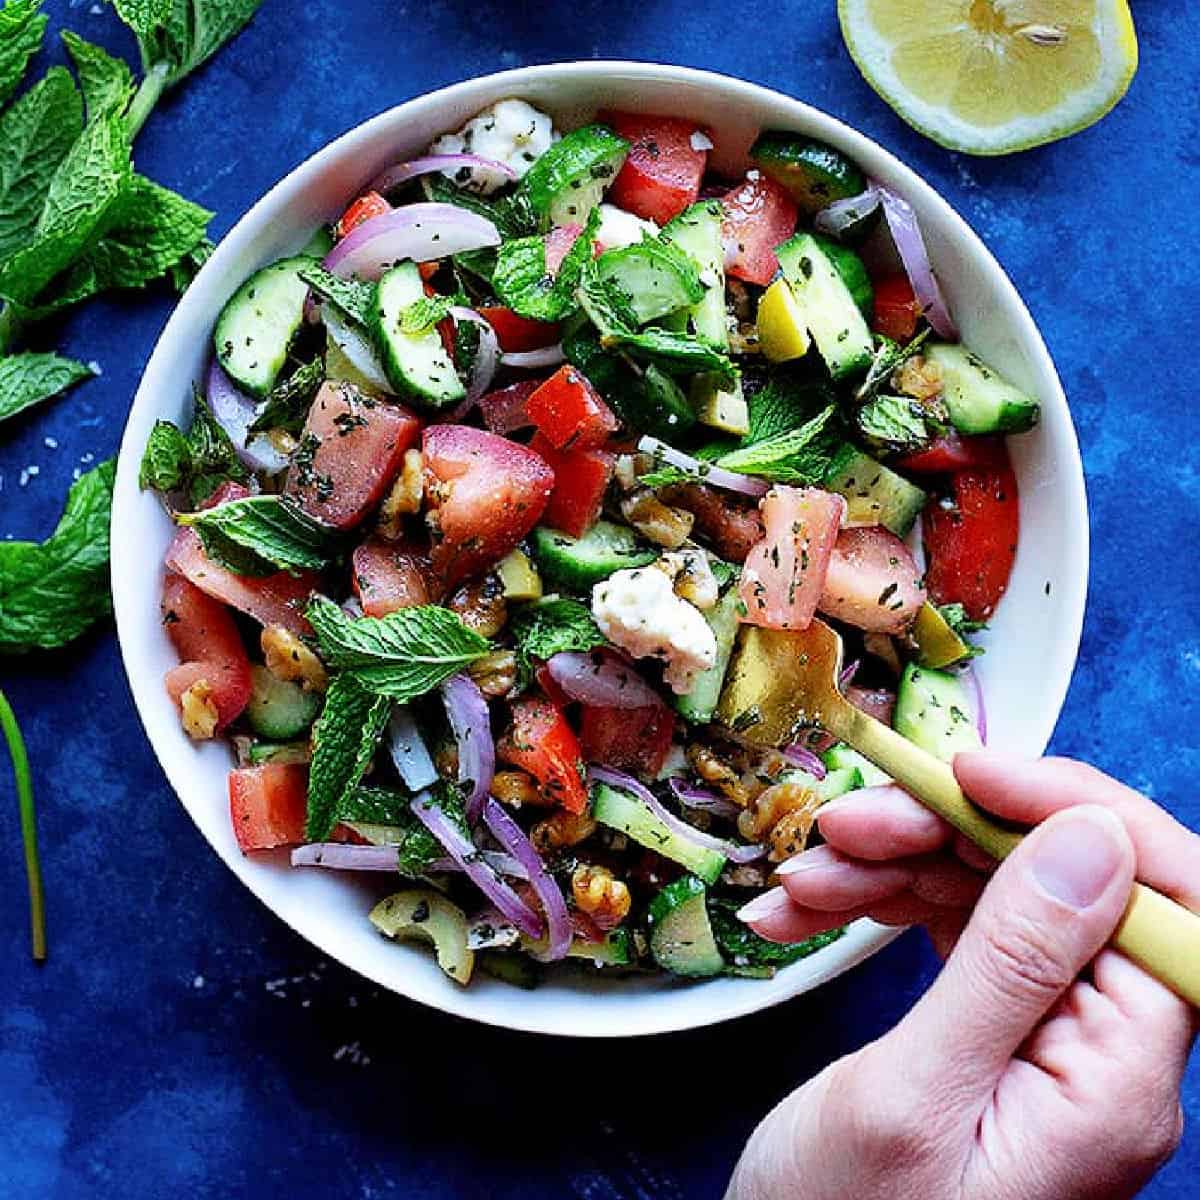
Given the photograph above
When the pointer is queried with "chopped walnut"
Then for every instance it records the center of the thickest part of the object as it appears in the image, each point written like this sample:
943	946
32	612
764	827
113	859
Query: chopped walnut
692	576
561	829
655	521
605	899
288	658
743	338
918	377
445	760
629	467
712	770
518	789
198	711
404	499
783	815
495	673
481	605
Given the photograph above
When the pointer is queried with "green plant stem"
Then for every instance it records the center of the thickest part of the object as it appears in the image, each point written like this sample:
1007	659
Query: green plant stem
20	765
11	327
146	97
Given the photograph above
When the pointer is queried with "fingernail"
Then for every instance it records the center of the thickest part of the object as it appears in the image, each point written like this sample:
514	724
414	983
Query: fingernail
800	864
1078	854
766	905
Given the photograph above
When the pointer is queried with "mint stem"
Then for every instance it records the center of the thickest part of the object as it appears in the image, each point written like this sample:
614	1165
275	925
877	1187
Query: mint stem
146	97
20	765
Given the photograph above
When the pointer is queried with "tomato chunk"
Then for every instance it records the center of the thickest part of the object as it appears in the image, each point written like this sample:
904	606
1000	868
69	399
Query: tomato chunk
953	452
784	573
210	649
662	172
558	243
759	215
484	494
731	524
972	546
387	577
350	452
278	599
519	334
897	310
368	205
873	581
569	412
505	409
541	742
268	805
628	739
580	480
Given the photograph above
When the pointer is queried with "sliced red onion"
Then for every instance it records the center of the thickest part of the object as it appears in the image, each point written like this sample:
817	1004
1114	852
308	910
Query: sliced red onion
691	796
467	710
558	921
875	702
802	757
464	852
234	411
707	473
420	232
906	233
352	607
602	679
846	678
558	245
975	695
700	141
394	176
505	409
535	360
627	783
483	369
346	856
408	750
356	347
500	862
842	214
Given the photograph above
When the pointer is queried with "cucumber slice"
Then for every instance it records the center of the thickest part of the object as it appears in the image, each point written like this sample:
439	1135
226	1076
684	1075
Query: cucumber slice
978	398
279	752
838	783
278	709
813	172
258	323
700	703
510	968
567	181
421	914
934	712
656	277
852	271
720	406
621	811
875	495
519	577
578	563
681	936
697	232
840	757
615	951
830	311
416	364
660	407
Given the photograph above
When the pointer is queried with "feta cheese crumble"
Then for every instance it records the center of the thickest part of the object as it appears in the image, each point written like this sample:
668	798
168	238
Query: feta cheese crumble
511	132
620	228
638	610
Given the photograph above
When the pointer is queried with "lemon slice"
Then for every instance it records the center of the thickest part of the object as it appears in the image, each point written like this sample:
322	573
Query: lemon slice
993	76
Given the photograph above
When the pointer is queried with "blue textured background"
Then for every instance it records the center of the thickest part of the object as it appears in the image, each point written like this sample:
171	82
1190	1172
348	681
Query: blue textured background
181	1041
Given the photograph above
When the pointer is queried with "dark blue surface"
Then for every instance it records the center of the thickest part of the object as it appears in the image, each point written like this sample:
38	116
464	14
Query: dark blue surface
181	1041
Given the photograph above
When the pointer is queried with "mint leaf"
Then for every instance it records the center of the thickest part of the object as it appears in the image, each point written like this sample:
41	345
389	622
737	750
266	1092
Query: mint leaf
423	314
744	948
782	406
35	135
346	734
888	356
288	402
107	82
29	378
376	806
893	423
522	283
214	457
956	617
403	655
21	30
143	15
50	592
800	457
551	627
353	298
182	273
167	459
271	528
183	34
667	475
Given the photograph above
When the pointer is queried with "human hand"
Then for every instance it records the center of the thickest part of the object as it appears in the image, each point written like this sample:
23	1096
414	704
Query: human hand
1011	1079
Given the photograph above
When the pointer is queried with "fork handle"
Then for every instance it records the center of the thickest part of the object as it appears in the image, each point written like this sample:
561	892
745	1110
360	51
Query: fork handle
1156	932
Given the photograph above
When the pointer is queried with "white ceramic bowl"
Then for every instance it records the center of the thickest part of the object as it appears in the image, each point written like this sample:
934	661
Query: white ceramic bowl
1033	640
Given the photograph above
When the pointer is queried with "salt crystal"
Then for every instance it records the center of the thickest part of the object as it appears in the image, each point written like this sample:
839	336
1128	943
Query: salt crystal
50	443
94	367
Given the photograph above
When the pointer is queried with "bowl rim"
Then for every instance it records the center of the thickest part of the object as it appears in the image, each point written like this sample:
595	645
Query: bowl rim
864	938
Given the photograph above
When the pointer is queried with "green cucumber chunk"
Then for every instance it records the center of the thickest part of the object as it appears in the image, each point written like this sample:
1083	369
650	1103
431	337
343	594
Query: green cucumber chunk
681	935
278	709
416	364
852	271
568	180
616	950
621	811
656	277
259	321
421	914
978	398
933	711
697	232
814	173
279	752
700	702
578	563
841	757
875	494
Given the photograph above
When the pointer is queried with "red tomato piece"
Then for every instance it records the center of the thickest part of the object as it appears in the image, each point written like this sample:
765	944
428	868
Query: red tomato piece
873	581
541	742
518	334
569	412
784	573
953	452
350	452
206	637
226	491
897	310
662	171
387	577
731	524
759	215
558	243
972	546
368	205
627	739
268	805
483	494
278	599
506	408
581	478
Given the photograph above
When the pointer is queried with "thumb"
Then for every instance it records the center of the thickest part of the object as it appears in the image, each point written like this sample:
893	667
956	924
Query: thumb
1046	913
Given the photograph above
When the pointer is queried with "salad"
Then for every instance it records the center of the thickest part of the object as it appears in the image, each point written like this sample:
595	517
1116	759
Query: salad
485	485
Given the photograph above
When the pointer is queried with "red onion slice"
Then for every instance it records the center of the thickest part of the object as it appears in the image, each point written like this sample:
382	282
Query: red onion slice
906	233
464	852
802	757
407	748
500	862
558	921
975	695
234	411
601	679
535	360
468	713
627	783
841	214
879	703
506	409
707	473
483	369
394	176
346	856
846	678
420	232
356	347
702	799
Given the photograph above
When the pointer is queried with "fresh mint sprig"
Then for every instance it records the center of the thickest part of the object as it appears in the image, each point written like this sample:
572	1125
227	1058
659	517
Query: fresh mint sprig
24	785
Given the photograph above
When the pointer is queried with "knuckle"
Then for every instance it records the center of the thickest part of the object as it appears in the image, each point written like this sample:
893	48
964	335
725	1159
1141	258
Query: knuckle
1021	960
892	1126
